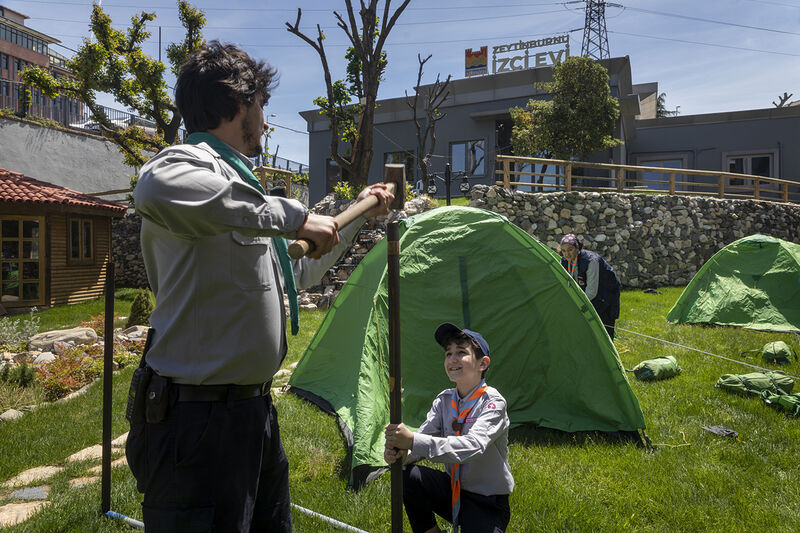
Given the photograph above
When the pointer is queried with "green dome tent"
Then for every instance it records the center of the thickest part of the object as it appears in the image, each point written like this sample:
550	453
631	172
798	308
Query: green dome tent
752	283
551	357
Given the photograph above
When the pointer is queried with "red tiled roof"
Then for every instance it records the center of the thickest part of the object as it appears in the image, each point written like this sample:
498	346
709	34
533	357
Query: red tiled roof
17	188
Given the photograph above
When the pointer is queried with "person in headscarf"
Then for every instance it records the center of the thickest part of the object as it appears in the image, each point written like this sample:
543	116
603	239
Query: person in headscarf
595	276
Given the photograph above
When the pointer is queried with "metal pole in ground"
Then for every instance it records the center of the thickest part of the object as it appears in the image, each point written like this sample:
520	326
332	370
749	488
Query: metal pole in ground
395	387
447	181
108	355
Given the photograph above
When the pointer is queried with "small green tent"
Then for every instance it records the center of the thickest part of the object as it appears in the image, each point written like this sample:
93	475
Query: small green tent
752	283
551	357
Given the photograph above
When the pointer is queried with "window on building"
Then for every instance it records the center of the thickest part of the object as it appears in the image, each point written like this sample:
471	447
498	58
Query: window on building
3	61
407	158
469	157
334	174
80	241
753	164
21	246
652	180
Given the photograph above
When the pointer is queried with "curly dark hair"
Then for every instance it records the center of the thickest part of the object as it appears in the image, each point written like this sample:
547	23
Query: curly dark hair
216	80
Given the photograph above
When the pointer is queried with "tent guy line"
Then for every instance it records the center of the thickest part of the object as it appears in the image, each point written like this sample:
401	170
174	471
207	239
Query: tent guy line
701	351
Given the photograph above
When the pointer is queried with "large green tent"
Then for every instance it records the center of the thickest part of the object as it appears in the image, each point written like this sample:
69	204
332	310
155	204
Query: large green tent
752	283
551	357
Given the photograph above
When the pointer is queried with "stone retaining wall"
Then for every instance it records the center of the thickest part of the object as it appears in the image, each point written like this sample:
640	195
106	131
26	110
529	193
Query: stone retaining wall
649	239
126	252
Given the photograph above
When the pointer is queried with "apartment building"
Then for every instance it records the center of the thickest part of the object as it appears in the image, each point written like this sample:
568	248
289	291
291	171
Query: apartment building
21	47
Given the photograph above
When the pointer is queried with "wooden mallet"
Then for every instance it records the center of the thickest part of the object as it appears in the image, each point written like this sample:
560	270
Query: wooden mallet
394	176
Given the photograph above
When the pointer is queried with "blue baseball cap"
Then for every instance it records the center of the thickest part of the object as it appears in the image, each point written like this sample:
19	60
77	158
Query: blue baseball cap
447	330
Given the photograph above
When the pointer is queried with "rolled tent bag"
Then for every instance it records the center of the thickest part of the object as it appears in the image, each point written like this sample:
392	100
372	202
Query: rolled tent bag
777	353
657	369
756	383
788	403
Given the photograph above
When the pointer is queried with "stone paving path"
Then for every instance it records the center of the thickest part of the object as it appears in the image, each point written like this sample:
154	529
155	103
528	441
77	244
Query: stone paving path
29	493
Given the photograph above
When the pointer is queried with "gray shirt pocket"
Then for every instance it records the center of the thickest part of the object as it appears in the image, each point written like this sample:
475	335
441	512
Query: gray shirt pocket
250	259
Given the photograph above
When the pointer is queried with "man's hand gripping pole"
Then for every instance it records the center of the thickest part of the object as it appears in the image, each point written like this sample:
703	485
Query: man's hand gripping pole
395	180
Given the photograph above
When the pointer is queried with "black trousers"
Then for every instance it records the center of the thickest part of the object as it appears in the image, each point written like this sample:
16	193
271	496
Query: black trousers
427	491
212	466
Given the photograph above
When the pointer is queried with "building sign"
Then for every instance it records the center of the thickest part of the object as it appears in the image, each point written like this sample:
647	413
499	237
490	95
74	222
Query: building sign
523	58
475	63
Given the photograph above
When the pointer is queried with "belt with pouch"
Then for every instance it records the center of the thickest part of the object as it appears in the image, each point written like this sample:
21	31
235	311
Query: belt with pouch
221	393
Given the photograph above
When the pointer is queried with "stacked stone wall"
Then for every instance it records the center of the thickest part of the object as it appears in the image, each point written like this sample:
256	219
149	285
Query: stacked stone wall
650	240
126	252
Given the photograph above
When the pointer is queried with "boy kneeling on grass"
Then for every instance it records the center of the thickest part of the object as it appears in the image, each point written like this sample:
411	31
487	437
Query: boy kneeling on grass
467	429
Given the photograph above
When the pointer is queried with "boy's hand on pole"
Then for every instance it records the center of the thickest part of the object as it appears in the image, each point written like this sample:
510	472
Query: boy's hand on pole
399	436
390	455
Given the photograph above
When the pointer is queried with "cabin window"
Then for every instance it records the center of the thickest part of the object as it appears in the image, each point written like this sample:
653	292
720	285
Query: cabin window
80	241
21	256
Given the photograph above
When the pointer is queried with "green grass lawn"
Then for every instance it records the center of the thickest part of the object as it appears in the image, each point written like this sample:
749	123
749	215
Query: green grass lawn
693	481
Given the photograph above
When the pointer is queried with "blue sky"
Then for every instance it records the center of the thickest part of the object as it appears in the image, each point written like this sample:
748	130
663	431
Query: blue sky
756	56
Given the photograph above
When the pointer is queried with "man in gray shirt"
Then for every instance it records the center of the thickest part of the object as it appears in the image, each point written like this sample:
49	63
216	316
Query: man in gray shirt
212	241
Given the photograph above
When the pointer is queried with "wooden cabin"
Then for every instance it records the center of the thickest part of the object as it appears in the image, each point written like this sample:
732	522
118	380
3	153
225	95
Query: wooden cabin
55	243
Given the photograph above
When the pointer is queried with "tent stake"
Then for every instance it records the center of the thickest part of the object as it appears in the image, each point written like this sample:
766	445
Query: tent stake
108	355
395	387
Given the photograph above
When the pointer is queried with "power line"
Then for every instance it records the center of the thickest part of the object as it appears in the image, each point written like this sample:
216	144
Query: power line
388	44
287	128
710	21
774	3
705	44
261	28
289	9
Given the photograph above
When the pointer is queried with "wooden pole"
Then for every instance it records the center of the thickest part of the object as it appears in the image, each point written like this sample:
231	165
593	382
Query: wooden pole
108	355
672	183
568	177
620	179
786	192
395	382
757	189
721	185
506	174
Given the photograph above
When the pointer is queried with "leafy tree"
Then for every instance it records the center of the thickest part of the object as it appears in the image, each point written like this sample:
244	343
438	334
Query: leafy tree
366	62
432	98
661	107
115	63
579	119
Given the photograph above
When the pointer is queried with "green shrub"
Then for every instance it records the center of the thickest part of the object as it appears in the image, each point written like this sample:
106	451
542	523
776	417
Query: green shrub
68	372
15	333
20	375
345	191
141	308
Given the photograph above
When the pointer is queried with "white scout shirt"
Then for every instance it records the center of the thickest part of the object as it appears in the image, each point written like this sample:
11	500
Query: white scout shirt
207	248
482	448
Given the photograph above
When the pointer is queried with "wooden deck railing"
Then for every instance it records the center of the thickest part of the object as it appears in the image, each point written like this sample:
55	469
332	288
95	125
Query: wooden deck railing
628	178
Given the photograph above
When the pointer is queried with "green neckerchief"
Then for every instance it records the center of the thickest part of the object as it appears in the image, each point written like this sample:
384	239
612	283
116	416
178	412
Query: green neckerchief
229	156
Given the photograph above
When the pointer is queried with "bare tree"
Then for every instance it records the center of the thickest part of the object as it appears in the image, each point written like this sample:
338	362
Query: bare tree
432	98
367	39
782	99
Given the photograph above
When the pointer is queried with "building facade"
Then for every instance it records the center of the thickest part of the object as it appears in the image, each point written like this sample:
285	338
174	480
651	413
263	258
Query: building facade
22	47
477	128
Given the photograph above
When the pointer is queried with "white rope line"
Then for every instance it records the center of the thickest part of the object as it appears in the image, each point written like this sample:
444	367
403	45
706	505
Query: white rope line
701	351
329	520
